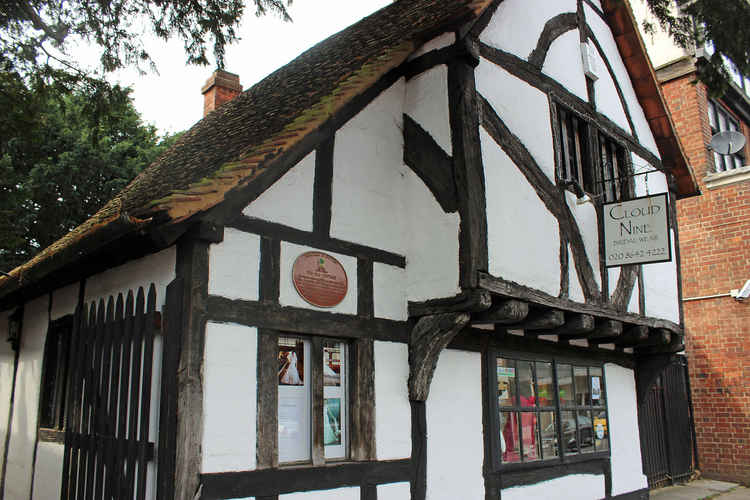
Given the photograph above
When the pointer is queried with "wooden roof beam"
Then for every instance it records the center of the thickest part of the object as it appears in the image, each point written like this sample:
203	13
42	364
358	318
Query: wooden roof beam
503	312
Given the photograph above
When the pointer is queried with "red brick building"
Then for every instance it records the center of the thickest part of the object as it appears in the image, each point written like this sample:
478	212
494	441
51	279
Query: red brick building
714	233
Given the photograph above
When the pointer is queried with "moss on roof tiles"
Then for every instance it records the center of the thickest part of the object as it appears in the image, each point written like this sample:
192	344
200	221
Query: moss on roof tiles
231	146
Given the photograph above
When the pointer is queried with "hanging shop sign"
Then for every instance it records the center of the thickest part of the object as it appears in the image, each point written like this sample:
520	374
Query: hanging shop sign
320	279
637	231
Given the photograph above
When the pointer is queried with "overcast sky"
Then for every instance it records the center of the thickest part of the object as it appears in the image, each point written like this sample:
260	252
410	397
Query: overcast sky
172	100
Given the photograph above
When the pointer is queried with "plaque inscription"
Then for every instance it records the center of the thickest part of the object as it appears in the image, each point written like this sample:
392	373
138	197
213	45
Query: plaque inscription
320	279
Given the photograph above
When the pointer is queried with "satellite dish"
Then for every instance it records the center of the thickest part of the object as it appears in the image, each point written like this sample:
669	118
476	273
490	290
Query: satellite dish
727	142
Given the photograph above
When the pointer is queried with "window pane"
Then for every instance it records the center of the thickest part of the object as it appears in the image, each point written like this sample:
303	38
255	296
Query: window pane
294	400
545	384
334	399
569	441
601	431
509	438
548	426
719	162
583	393
526	384
585	431
506	382
530	429
597	392
712	115
565	384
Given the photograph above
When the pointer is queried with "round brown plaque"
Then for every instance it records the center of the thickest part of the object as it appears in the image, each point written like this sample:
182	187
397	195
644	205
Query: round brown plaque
319	279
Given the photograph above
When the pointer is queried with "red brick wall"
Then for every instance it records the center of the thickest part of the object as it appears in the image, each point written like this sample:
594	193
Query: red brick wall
714	232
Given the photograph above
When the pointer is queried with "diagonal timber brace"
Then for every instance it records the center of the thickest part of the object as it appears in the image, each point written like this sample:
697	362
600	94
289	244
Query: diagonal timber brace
428	338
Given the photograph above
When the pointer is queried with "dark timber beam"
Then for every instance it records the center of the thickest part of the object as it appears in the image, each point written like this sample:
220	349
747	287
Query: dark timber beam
429	337
634	335
606	331
576	324
471	300
504	312
545	319
658	336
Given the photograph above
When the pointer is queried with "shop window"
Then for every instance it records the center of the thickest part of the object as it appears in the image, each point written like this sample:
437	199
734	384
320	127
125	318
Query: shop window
721	120
55	374
304	389
548	412
590	161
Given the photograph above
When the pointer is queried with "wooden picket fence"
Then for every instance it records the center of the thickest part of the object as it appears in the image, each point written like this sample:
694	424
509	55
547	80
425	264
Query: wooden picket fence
108	406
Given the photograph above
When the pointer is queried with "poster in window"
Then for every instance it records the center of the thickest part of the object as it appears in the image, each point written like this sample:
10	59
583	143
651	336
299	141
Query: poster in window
291	361
332	421
506	374
596	388
332	365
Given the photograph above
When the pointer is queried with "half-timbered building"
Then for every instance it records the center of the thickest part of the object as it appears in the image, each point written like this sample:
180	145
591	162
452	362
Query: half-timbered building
379	273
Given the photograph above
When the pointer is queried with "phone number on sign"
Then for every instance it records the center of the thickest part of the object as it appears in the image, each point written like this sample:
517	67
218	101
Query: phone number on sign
653	252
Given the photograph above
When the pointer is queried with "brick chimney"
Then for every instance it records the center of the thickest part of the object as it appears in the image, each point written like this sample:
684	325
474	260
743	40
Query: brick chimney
221	87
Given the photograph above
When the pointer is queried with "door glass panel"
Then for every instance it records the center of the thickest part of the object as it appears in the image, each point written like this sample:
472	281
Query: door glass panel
583	392
565	384
545	384
526	384
548	426
530	429
510	446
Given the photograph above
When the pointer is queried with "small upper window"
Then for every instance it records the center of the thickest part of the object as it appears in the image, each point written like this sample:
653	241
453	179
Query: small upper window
55	374
602	173
721	120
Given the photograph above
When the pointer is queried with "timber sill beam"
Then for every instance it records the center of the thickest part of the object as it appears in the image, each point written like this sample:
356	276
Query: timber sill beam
471	300
503	312
576	325
428	338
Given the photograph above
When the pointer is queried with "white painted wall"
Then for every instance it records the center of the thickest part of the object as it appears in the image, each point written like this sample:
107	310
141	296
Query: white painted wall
661	48
389	292
604	35
572	487
394	491
436	43
660	289
392	408
633	305
335	494
432	242
229	398
523	108
48	471
516	253
367	174
25	411
607	99
563	63
585	217
513	30
455	446
575	291
288	295
64	301
158	268
427	104
6	379
290	200
627	471
234	266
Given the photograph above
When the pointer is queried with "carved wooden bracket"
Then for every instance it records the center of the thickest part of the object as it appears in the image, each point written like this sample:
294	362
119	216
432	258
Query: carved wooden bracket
429	337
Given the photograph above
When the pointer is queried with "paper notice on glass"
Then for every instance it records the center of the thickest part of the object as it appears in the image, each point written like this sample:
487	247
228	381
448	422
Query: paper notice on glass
294	425
596	388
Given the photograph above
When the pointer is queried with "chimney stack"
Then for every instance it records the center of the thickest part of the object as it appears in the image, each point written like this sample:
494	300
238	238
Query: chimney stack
221	87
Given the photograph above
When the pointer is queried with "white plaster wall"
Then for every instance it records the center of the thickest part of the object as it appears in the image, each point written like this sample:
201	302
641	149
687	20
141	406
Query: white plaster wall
26	403
524	109
436	43
234	266
394	491
654	182
585	217
158	268
367	204
572	487
633	305
64	301
563	63
627	471
6	379
389	292
392	408
513	30
609	46
288	295
575	290
517	253
454	428
335	494
427	103
607	99
229	398
432	257
48	471
660	289
289	200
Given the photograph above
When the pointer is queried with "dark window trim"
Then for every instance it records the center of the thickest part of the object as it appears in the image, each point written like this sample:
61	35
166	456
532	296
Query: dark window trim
52	395
563	461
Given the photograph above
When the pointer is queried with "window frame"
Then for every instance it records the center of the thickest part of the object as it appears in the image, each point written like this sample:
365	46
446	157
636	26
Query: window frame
716	110
589	140
53	386
562	459
318	342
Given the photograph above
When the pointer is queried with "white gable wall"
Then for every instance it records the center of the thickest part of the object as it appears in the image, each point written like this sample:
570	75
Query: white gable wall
563	63
427	104
392	408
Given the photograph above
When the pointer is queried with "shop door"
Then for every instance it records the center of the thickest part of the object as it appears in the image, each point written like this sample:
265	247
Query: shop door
666	424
